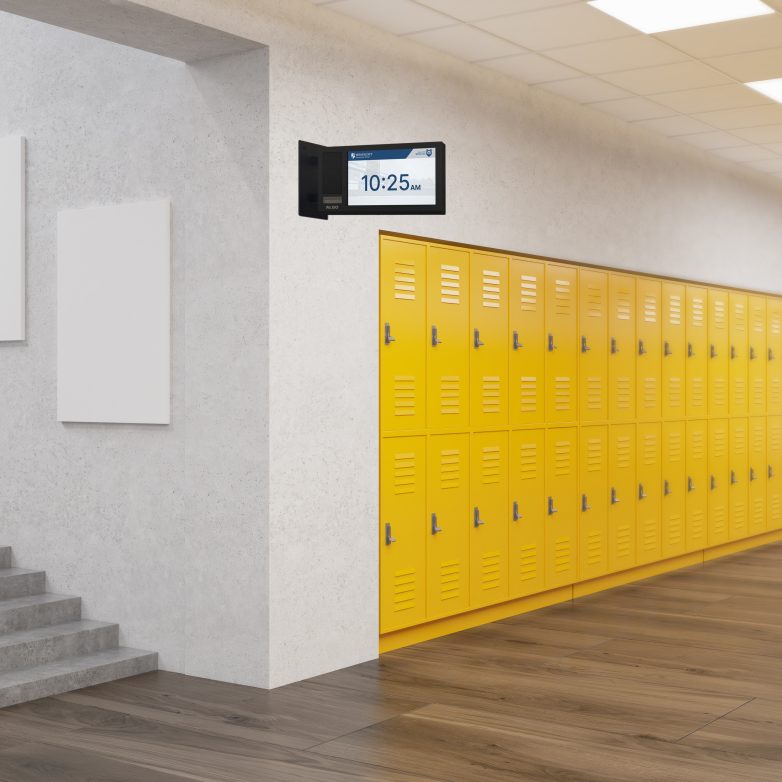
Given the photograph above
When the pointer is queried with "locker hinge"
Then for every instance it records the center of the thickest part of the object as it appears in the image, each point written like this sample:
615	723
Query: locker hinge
713	352
614	498
614	346
641	348
667	349
516	514
690	350
516	343
435	528
476	517
584	346
641	492
476	338
585	506
435	339
733	478
713	483
666	488
551	509
551	345
388	338
389	538
690	484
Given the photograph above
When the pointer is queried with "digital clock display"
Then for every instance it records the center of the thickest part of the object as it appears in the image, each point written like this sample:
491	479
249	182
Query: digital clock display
392	177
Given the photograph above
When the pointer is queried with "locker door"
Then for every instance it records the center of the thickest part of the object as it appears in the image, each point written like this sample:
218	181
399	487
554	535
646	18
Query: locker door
719	480
739	347
593	489
738	522
527	341
402	532
674	350
488	518
697	485
526	537
448	531
448	359
774	355
774	471
402	332
649	361
674	489
719	353
489	340
649	494
593	355
697	352
758	475
561	343
622	347
561	506
757	355
622	490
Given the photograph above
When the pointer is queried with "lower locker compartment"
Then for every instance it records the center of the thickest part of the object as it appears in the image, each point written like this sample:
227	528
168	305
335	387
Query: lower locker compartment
774	471
649	492
719	480
758	476
622	537
593	510
561	507
696	534
738	495
674	487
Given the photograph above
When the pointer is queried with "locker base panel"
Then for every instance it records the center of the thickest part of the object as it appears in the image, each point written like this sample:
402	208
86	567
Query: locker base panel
453	624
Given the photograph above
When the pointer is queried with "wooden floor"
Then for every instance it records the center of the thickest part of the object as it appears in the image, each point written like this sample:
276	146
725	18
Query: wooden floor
677	679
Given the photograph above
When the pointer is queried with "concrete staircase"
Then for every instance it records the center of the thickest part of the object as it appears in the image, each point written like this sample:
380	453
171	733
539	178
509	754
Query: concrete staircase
47	648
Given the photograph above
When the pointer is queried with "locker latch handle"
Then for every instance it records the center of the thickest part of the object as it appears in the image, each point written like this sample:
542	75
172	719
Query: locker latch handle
690	484
614	346
641	492
733	478
476	341
476	517
641	348
667	349
770	354
614	498
752	474
770	471
516	343
435	339
551	345
516	514
435	528
584	346
585	506
733	351
551	509
666	488
690	351
388	338
389	538
713	483
713	352
752	354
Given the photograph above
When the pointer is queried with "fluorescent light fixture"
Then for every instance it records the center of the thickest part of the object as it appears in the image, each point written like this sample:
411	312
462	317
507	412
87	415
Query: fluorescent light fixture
656	16
769	87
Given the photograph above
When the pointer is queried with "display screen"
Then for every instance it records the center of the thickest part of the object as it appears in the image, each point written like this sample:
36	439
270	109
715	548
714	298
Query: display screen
392	177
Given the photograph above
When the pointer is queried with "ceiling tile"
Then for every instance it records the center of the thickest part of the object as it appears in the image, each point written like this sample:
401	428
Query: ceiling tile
674	126
633	108
637	51
714	40
470	11
745	154
730	119
773	165
395	16
765	134
728	96
714	139
666	78
531	68
466	42
584	90
750	66
561	26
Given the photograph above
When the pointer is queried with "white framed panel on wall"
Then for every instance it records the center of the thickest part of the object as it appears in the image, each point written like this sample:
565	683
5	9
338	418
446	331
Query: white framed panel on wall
114	314
12	239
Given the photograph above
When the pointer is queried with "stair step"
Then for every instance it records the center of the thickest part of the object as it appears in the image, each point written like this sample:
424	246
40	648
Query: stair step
73	673
5	556
15	582
58	642
31	611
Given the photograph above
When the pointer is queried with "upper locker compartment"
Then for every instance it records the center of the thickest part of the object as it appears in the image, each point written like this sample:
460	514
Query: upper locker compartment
402	331
561	343
774	355
488	339
739	348
527	358
448	364
622	347
649	363
673	350
719	353
757	355
697	351
593	348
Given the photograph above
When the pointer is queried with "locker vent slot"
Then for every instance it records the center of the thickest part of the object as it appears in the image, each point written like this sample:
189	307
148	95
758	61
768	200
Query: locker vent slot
720	314
449	580
650	393
698	392
739	440
757	391
623	392
758	513
404	473
528	562
674	392
404	280
775	437
738	512
675	529
594	392
404	395
562	458
650	309
757	439
775	327
450	469
490	465
562	392
594	552
491	289
562	297
650	450
740	316
775	509
490	570
529	293
674	447
697	521
649	534
739	392
697	312
528	394
675	310
529	470
594	301
623	452
450	284
450	395
491	394
720	443
624	308
623	540
562	554
404	589
775	391
719	519
720	391
699	444
594	454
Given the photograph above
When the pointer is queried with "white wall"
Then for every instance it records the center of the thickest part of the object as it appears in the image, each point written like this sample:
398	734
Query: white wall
162	529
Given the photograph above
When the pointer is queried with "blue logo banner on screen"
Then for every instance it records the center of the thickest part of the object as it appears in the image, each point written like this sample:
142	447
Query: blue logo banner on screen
389	154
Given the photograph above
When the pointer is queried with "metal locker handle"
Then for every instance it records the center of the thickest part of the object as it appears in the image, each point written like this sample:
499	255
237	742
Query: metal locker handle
516	514
584	346
516	343
641	492
713	483
667	349
733	351
752	354
614	498
435	340
752	474
770	354
641	348
690	484
770	471
551	345
733	478
388	338
690	351
435	528
614	346
713	352
666	488
477	338
585	506
551	509
476	517
389	538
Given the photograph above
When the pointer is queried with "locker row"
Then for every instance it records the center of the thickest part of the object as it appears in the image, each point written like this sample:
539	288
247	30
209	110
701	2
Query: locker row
470	520
472	339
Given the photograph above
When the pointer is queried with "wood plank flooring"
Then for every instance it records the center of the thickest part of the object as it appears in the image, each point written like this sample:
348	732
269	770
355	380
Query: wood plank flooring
676	679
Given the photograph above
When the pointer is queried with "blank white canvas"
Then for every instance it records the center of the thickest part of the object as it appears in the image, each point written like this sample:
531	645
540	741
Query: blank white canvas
114	314
12	230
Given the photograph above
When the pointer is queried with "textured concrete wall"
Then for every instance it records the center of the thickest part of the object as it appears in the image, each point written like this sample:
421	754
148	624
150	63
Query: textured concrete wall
162	529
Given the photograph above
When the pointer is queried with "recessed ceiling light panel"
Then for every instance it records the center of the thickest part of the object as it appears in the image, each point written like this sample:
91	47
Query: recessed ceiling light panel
769	87
656	16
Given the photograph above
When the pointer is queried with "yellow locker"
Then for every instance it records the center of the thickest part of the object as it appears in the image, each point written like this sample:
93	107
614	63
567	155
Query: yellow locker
561	343
649	361
739	344
719	480
738	522
774	355
448	533
593	356
402	330
448	360
757	355
674	350
527	357
622	348
648	514
561	506
674	489
489	339
402	532
696	532
621	497
774	471
527	531
758	475
697	349
593	488
719	353
489	518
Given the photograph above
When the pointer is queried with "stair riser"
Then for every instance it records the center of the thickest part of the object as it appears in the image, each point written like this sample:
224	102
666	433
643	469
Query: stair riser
47	650
22	585
31	617
5	556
